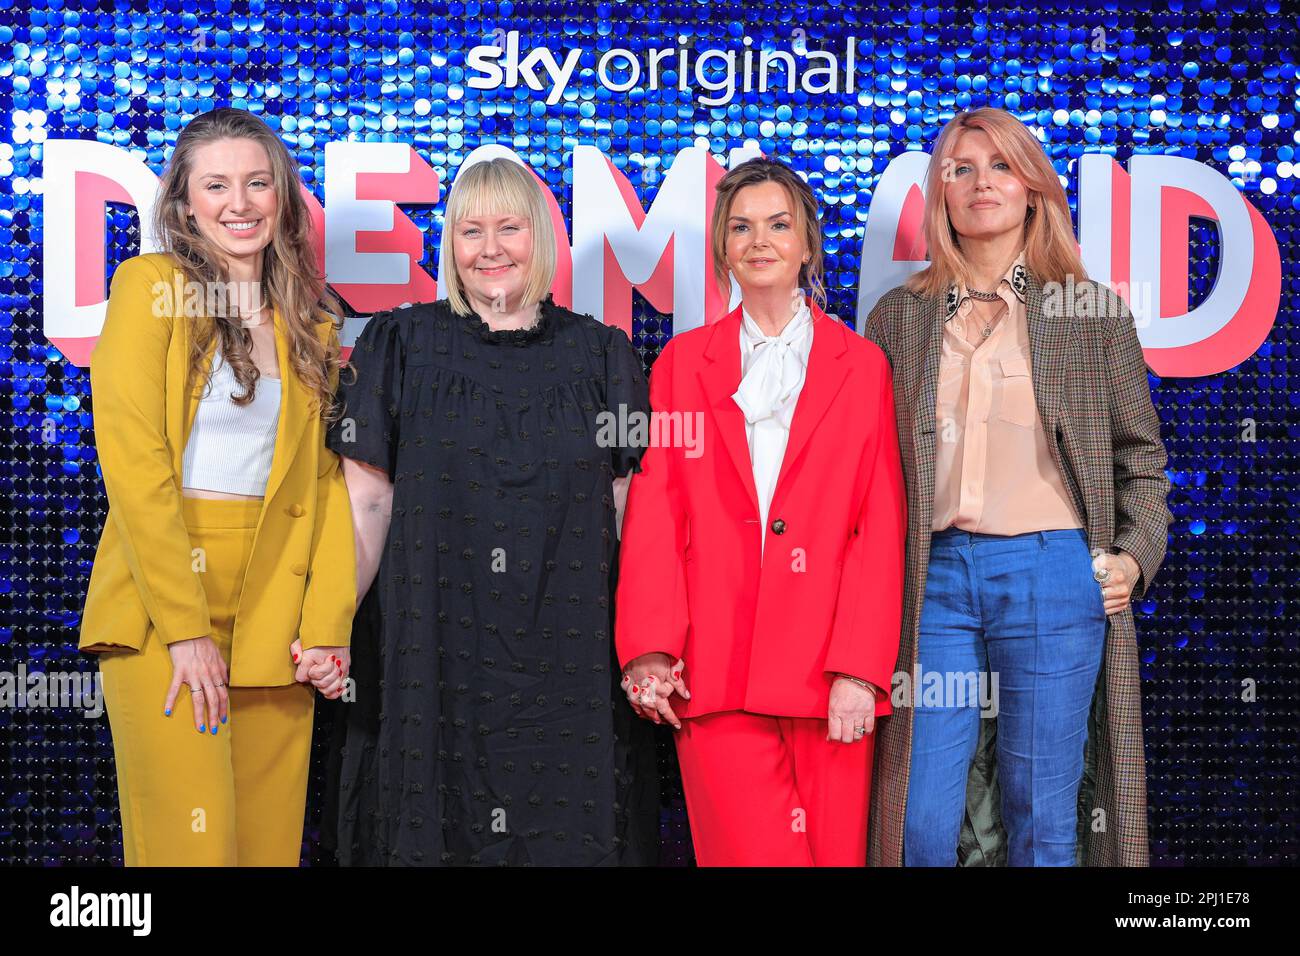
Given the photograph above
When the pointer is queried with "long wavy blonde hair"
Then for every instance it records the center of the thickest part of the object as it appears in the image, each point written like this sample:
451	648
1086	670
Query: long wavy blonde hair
1051	252
290	277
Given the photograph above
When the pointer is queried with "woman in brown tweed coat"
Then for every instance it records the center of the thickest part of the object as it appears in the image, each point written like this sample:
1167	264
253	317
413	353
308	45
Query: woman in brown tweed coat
1087	456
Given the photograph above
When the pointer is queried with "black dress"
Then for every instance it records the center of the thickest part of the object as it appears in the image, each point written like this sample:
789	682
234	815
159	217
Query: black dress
488	726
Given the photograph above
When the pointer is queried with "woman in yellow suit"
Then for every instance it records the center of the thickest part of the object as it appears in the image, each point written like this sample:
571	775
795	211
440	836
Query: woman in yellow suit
225	578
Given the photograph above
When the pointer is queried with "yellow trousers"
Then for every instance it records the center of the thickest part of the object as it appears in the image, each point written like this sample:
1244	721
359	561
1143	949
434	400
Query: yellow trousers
234	798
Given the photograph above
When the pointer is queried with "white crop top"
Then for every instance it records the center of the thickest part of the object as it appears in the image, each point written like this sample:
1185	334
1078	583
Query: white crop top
230	448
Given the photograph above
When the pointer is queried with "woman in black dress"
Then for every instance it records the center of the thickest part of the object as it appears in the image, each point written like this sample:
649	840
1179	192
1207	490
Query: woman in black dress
483	492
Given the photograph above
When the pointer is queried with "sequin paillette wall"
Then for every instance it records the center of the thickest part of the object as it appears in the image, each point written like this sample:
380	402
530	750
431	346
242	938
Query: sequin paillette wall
1211	81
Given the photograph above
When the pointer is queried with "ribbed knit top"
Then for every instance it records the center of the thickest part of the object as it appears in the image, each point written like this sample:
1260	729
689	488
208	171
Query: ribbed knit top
230	448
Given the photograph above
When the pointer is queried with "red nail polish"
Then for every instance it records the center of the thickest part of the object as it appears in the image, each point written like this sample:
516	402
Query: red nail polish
295	658
677	675
635	689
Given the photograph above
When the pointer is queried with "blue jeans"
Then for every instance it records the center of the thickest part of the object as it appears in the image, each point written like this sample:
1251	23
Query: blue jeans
1012	627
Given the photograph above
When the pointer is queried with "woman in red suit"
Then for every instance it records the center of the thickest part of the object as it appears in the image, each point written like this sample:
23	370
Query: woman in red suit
762	565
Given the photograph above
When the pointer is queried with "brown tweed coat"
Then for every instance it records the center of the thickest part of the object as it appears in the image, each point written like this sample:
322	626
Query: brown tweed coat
1090	385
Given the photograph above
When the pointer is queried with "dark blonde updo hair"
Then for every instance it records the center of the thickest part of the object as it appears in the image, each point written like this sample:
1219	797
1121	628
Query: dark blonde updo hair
763	169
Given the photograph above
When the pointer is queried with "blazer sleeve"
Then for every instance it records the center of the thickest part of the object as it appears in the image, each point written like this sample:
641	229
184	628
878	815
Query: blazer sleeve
869	610
128	383
330	598
876	328
1141	487
651	609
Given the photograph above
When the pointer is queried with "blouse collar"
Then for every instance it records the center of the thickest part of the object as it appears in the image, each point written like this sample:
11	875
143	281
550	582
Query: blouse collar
755	336
1015	278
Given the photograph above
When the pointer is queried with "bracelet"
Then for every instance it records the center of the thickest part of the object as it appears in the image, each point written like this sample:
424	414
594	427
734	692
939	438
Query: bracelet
857	680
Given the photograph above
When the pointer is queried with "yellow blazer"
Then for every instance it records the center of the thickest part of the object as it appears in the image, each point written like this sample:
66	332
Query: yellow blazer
301	576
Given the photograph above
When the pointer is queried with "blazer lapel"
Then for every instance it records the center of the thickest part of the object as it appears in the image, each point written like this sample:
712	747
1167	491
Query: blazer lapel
720	378
925	373
823	381
1047	339
294	402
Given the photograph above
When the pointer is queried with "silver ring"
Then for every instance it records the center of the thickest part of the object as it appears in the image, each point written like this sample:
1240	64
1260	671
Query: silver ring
218	685
193	691
860	731
1101	575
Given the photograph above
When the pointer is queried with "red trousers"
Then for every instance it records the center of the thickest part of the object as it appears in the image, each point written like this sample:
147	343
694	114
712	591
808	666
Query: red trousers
773	791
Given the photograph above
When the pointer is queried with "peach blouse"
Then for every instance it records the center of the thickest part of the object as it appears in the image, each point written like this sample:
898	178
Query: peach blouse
994	473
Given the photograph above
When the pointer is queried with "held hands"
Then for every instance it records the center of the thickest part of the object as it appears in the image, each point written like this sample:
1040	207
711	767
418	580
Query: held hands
852	711
325	667
649	681
1116	575
199	664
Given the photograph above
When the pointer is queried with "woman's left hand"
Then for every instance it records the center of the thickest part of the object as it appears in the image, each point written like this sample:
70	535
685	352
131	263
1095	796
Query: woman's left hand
1117	590
852	706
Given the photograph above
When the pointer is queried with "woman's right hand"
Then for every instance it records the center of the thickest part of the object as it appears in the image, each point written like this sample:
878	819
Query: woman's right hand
326	668
198	664
649	681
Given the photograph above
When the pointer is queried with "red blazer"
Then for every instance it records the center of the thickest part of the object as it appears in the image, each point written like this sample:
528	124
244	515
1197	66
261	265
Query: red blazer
767	635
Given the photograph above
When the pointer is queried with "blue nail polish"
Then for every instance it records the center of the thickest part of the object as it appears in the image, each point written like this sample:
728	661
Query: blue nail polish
167	713
203	728
214	730
223	719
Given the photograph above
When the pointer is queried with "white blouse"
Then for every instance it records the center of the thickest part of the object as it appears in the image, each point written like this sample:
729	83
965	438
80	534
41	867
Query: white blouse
231	448
773	369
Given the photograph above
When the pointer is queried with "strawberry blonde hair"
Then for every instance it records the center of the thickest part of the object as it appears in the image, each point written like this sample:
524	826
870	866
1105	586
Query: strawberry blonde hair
1051	252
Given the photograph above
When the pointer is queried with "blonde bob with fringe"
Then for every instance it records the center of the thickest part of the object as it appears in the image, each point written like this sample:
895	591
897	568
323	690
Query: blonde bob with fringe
1051	252
498	187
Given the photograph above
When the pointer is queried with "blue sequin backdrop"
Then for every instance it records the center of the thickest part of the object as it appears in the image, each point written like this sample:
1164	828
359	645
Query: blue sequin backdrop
1213	81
